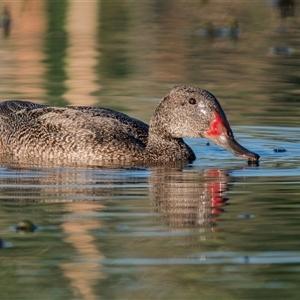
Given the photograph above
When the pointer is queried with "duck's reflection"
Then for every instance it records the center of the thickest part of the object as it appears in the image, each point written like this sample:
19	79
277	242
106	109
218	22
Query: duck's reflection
189	199
183	199
186	198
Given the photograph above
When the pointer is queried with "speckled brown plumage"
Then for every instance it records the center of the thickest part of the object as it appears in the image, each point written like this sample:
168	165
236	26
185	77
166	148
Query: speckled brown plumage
83	134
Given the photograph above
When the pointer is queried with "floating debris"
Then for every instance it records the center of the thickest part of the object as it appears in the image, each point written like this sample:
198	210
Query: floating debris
246	216
279	150
287	8
282	50
211	32
26	226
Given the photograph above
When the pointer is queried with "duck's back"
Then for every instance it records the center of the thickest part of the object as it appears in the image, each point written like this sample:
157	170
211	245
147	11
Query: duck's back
29	129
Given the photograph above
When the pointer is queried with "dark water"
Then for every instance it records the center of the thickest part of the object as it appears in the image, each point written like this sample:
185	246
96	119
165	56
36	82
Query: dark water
216	229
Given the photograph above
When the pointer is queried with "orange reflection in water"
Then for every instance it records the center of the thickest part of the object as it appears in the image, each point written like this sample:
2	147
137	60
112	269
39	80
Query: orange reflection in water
83	275
21	53
81	53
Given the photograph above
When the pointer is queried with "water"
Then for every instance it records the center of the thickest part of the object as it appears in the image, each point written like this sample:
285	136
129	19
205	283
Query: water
216	229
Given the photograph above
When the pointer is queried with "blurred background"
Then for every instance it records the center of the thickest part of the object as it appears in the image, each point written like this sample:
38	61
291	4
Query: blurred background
127	54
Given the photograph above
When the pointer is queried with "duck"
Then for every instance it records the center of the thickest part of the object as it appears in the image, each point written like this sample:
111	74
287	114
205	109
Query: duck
87	133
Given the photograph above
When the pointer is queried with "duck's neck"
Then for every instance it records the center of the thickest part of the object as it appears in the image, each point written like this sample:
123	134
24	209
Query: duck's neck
164	148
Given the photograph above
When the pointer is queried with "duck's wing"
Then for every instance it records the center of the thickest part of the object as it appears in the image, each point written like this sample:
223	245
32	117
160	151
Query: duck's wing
81	116
106	124
136	127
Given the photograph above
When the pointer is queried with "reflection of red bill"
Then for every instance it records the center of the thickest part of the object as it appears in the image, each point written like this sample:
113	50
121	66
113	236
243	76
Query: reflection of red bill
215	190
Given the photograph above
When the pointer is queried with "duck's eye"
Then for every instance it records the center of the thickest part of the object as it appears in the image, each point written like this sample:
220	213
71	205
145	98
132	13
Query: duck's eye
192	101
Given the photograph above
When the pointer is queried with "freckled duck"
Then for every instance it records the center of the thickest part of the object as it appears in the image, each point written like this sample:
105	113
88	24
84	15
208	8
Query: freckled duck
83	133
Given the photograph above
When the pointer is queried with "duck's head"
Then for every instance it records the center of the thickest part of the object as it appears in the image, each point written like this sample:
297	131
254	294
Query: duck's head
191	112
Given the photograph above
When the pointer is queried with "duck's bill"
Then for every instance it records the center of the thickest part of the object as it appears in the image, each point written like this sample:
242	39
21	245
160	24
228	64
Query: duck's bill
221	134
230	144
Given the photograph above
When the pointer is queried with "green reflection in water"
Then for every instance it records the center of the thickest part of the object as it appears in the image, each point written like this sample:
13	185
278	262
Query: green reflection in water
112	35
55	50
